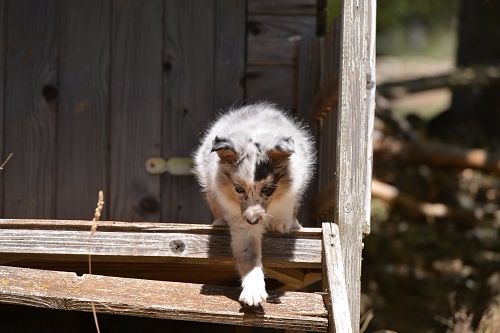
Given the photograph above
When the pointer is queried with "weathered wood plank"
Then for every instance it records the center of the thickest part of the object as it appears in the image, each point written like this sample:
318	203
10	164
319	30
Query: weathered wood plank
31	96
182	245
353	163
275	40
3	49
314	233
340	318
283	7
276	84
188	99
83	124
158	299
230	50
136	108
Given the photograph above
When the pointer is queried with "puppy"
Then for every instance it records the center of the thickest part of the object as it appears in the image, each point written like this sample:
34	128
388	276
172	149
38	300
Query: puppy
254	165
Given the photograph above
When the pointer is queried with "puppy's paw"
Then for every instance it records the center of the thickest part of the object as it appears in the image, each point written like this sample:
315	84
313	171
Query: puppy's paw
220	223
254	288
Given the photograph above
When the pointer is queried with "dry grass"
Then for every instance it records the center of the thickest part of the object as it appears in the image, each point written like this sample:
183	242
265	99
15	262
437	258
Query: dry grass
6	161
97	216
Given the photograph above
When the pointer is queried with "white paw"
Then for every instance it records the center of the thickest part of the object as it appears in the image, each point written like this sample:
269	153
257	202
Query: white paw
219	222
254	288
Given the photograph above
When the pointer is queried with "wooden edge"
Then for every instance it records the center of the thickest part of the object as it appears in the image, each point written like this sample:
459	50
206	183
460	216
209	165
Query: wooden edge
159	299
334	279
47	224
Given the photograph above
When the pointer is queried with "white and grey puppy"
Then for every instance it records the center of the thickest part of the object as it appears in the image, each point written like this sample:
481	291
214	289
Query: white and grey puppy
254	165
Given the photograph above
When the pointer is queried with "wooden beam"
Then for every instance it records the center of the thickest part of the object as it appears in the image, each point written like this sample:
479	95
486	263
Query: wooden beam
334	279
354	141
159	299
152	242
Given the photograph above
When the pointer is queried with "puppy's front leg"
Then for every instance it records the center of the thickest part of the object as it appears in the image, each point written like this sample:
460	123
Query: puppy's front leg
246	247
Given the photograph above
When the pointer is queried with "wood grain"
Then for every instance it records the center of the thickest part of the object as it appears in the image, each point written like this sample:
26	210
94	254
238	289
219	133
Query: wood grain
83	123
283	7
188	99
354	140
174	244
230	50
275	40
340	318
3	50
277	84
136	108
158	299
31	97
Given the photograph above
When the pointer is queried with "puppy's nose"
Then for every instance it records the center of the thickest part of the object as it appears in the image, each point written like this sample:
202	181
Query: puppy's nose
252	222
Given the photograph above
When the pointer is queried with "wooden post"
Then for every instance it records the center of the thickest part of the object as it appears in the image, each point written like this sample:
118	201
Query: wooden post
354	140
334	280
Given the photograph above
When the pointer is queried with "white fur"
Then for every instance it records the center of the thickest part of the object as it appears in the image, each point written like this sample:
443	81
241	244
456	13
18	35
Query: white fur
266	125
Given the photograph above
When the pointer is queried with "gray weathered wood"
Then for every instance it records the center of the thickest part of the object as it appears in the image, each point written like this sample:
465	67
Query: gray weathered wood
136	108
272	83
83	124
334	276
174	243
158	299
353	163
188	99
3	49
31	90
230	50
275	40
283	7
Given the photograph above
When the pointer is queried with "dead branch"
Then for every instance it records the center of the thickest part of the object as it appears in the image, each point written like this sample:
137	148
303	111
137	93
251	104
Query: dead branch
461	77
393	196
438	154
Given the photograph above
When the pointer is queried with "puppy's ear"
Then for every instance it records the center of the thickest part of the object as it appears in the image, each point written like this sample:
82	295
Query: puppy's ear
225	149
282	150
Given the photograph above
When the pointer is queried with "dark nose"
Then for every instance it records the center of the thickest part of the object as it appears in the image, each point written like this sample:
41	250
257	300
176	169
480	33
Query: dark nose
252	222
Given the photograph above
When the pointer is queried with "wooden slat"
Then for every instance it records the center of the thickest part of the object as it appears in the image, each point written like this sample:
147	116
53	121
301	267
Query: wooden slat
3	49
340	318
31	96
82	124
229	59
354	140
283	7
174	243
136	108
158	299
275	40
188	99
272	83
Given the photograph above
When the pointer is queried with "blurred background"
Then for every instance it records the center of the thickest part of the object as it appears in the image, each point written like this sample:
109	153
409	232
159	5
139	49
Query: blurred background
432	260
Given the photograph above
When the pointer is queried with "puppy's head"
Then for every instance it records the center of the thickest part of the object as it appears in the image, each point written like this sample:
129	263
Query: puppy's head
252	174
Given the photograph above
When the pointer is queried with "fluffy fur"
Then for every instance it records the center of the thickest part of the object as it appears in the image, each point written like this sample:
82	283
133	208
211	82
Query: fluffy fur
254	165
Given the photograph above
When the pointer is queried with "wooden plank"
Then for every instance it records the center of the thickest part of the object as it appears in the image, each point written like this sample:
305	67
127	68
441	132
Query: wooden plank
229	59
353	162
314	233
3	50
31	97
277	84
188	99
339	315
275	40
178	244
159	299
283	7
83	124
136	108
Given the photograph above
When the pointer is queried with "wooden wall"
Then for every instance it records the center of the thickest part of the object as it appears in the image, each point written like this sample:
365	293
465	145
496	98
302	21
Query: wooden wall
90	89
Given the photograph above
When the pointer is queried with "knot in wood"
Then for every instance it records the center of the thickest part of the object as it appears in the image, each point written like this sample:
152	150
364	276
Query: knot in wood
177	246
348	207
149	205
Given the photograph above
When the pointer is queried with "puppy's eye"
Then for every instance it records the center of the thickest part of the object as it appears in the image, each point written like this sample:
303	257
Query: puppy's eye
239	189
268	190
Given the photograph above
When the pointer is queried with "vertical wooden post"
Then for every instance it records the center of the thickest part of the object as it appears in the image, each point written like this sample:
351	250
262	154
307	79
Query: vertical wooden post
354	140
